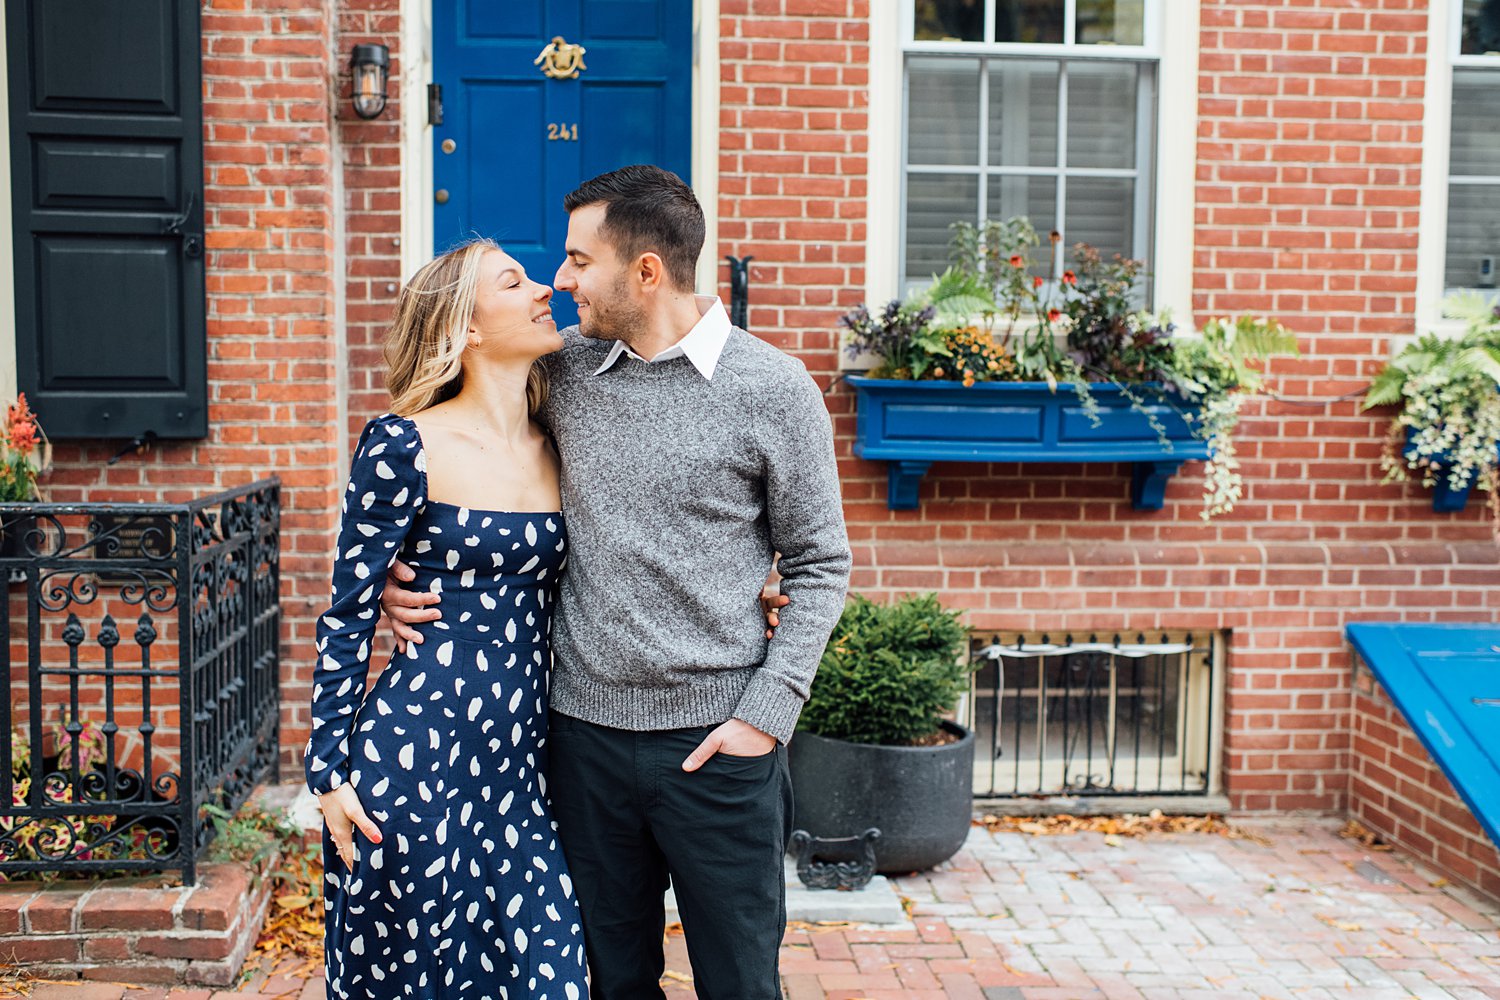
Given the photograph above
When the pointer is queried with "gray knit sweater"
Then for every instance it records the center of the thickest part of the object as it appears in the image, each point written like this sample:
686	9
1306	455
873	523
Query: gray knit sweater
678	491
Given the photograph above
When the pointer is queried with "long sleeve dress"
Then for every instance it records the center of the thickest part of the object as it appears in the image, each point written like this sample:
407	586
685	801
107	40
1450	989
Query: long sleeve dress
467	896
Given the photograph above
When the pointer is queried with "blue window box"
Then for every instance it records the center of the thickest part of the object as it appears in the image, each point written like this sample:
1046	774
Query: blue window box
913	424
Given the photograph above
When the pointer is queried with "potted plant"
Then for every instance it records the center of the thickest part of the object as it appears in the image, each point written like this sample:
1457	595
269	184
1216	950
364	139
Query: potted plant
874	747
24	455
994	363
1447	429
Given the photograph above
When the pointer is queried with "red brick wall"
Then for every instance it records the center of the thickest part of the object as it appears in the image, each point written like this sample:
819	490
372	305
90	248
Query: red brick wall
268	150
1397	791
792	165
372	210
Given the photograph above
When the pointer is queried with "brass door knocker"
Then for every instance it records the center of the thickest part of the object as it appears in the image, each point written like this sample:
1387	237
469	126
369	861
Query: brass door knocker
561	60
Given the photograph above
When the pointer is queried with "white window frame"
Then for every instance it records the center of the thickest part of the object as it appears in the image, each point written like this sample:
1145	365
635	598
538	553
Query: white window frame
1172	43
1444	28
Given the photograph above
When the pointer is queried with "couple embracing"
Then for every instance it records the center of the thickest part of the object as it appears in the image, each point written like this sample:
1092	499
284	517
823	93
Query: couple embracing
570	533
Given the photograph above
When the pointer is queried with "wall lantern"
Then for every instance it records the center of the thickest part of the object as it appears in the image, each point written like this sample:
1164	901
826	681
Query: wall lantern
370	67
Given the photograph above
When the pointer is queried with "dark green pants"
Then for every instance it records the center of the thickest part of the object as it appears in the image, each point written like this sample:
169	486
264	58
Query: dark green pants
630	819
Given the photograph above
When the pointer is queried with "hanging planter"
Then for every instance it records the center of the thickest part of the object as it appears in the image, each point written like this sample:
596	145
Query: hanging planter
1446	432
1448	497
911	424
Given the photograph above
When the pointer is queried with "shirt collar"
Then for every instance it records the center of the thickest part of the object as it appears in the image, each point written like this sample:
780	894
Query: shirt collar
703	344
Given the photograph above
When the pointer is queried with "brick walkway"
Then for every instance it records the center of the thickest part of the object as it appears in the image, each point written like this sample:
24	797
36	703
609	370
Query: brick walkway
1070	917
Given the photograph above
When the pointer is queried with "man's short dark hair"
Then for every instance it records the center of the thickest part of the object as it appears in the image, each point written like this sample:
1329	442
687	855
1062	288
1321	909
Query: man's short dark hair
647	209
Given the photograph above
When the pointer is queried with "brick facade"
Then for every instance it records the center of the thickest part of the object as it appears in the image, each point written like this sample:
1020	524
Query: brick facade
1308	159
1308	169
269	152
1397	791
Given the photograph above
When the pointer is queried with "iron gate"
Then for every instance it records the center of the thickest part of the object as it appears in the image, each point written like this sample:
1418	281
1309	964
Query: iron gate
142	659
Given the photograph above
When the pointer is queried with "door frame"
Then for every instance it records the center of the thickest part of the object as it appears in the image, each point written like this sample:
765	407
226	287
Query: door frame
416	136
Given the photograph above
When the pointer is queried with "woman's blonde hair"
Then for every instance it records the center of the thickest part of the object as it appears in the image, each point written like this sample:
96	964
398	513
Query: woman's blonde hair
425	345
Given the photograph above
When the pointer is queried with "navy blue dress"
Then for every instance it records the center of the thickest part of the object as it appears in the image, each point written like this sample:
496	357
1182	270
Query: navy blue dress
467	896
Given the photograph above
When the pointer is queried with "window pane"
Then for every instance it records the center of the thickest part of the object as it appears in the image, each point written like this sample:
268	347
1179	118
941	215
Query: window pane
933	203
1030	21
942	114
1481	28
1023	113
950	20
1473	232
1475	148
1100	212
1110	22
1102	127
1033	197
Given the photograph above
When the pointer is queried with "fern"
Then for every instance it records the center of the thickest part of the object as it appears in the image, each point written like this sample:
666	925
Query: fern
1477	312
957	296
1252	339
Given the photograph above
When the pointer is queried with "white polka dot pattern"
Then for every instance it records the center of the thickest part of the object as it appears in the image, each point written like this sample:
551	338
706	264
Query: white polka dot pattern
467	896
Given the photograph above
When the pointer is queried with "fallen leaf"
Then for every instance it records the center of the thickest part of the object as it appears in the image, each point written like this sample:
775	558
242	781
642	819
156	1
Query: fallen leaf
1357	831
1127	825
1339	924
819	925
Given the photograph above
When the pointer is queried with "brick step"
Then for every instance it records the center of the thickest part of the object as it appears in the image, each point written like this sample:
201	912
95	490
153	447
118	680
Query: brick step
148	930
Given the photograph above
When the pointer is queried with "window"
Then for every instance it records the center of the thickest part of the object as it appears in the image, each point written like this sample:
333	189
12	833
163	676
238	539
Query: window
1042	108
1473	243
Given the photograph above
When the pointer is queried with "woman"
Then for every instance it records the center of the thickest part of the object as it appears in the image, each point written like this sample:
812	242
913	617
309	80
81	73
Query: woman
444	874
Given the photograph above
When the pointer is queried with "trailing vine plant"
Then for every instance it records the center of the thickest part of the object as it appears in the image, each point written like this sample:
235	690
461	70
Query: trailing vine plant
1448	424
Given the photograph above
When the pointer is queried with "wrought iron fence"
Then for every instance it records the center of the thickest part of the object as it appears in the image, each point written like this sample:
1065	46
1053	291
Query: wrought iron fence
1098	717
149	637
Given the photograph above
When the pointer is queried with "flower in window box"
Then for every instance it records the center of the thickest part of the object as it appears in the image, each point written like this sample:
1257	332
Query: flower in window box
1086	327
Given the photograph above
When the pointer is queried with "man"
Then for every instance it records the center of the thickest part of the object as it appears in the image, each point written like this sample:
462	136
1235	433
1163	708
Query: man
692	453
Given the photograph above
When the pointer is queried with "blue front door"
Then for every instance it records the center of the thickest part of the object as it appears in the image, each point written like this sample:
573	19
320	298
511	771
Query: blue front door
514	141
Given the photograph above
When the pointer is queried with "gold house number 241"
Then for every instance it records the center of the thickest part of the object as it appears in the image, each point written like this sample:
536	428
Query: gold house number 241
566	133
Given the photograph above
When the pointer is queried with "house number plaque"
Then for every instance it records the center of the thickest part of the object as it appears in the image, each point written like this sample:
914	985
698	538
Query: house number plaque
557	131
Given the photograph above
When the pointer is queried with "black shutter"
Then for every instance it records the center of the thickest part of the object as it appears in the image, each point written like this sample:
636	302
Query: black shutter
106	141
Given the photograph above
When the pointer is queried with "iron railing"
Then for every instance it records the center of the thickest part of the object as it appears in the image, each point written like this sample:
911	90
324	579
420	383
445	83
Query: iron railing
149	635
739	290
1101	716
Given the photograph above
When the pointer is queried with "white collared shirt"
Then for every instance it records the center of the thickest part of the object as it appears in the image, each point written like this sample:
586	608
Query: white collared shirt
703	343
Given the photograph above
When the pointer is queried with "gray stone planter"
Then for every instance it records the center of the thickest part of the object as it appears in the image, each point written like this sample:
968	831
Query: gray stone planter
921	798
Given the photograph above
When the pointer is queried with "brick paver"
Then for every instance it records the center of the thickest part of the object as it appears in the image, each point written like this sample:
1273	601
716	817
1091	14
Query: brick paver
1168	917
